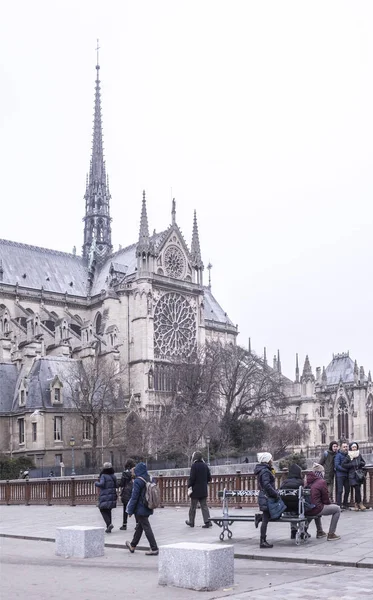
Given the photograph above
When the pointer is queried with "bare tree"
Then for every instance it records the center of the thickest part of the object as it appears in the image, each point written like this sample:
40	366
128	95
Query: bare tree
284	433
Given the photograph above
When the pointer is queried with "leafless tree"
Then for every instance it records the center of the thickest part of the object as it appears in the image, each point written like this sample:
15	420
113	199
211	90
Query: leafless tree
283	433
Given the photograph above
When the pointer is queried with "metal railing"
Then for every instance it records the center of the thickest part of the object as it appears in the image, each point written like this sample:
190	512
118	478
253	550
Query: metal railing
174	490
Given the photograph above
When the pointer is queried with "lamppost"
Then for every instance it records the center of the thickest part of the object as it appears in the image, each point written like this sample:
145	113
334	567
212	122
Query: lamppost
72	444
207	438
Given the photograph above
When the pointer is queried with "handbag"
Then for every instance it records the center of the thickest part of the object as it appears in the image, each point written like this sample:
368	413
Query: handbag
360	475
275	507
190	491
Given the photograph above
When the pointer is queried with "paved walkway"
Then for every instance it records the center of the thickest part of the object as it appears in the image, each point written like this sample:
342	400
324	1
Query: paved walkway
31	571
355	548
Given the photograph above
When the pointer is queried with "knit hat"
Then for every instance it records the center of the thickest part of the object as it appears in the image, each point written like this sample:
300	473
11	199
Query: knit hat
318	469
107	465
264	457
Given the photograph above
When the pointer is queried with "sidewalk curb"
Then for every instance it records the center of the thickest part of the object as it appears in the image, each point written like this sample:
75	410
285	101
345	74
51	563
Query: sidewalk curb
238	555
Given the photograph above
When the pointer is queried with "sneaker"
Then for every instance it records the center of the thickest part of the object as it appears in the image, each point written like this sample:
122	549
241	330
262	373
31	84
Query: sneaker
333	536
189	523
123	528
207	525
130	548
152	553
320	534
108	530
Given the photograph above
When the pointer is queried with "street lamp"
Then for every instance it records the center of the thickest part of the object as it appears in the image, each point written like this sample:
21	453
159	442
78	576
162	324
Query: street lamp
207	438
72	444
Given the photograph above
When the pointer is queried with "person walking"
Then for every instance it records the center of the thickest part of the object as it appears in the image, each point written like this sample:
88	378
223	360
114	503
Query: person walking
354	463
126	485
108	494
327	461
137	506
323	506
341	476
199	477
266	484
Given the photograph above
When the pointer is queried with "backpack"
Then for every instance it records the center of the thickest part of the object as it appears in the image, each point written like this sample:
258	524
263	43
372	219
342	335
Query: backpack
152	496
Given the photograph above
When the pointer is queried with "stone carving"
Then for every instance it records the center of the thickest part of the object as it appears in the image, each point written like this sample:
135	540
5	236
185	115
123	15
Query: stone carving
174	262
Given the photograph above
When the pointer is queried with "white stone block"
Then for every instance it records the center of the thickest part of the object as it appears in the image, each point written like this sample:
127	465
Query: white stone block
196	566
80	541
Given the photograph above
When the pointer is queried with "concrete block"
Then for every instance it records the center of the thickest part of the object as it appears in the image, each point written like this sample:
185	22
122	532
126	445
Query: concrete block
80	541
196	566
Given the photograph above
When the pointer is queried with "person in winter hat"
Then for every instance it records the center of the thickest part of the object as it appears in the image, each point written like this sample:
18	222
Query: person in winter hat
293	481
126	485
327	461
341	476
266	484
137	506
323	506
354	462
199	478
107	500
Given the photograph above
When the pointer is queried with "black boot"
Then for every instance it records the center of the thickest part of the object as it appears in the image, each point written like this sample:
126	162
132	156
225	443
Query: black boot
258	519
264	543
293	534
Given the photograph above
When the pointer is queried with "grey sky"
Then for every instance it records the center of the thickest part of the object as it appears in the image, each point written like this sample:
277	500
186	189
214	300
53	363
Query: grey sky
257	114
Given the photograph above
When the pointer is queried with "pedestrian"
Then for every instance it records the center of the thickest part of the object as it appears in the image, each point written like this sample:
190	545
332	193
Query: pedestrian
266	484
354	463
126	485
199	477
327	461
293	481
137	506
108	494
341	476
323	506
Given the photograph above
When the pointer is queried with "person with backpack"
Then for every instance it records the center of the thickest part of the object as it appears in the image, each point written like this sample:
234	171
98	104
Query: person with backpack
108	494
327	461
199	477
126	485
138	506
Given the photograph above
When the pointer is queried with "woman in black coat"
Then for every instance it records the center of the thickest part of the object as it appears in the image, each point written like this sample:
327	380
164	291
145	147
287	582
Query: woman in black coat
126	485
266	483
293	482
355	462
108	494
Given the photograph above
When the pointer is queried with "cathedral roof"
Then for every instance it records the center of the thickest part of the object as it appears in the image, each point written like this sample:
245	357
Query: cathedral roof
8	380
340	369
36	268
213	310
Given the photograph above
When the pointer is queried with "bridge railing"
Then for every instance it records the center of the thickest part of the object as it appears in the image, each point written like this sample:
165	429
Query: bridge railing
174	490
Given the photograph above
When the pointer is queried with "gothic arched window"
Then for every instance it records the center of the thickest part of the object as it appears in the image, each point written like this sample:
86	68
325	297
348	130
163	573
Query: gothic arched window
343	428
323	434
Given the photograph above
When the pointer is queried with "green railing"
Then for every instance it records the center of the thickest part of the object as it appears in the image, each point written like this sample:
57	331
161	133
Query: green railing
81	490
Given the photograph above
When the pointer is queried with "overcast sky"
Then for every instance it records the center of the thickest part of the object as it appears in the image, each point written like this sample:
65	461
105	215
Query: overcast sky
256	114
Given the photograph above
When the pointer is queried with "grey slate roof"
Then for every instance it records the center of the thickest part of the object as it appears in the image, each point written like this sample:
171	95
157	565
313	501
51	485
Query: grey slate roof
8	381
49	269
213	310
340	369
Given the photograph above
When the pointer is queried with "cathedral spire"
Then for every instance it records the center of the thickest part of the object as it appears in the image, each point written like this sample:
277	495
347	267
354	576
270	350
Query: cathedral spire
296	369
97	228
196	251
144	227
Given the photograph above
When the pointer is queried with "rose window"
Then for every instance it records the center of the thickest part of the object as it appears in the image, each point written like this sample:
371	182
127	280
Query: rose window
174	262
174	326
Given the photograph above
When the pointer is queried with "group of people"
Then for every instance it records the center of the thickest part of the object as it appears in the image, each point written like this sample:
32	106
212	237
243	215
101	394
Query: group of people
344	466
133	486
348	465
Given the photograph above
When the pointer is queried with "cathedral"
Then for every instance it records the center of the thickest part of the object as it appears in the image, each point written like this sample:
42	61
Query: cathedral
138	309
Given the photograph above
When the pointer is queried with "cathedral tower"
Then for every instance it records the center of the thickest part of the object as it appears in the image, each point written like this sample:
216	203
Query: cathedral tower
97	229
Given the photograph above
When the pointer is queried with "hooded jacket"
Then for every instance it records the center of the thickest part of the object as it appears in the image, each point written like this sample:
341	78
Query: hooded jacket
199	478
126	485
319	493
327	461
108	491
293	481
266	483
340	457
136	504
351	463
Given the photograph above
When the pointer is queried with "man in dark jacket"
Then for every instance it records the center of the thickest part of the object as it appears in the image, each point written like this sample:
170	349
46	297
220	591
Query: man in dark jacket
198	479
327	461
138	506
108	494
320	498
342	476
126	485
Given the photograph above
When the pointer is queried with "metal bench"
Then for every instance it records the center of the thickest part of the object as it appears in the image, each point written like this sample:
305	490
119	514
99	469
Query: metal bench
298	519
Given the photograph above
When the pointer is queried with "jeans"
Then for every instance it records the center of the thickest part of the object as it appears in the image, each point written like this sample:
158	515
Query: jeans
125	515
331	489
342	484
204	509
329	509
106	515
143	525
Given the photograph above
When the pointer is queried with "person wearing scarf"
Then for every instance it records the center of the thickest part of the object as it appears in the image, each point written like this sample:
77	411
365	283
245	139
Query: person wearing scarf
353	462
320	498
266	483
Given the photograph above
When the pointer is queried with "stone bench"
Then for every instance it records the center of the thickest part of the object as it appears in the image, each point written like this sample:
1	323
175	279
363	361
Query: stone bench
80	541
196	566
